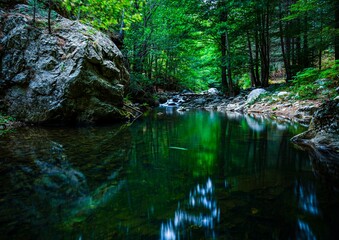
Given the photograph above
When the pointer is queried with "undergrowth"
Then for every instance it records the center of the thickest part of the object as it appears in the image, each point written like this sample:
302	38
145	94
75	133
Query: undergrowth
312	82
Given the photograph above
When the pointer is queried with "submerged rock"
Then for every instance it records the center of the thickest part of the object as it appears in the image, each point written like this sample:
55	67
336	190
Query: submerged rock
76	74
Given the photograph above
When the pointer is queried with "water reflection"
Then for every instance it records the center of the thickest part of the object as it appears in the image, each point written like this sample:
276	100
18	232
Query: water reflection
44	181
307	202
307	198
201	211
255	123
58	180
304	231
142	183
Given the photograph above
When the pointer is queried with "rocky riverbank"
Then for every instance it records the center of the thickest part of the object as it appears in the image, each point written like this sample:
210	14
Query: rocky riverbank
256	101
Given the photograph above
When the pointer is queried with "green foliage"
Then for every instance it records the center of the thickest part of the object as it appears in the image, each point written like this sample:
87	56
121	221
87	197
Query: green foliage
104	15
244	81
331	72
4	119
305	82
307	76
139	83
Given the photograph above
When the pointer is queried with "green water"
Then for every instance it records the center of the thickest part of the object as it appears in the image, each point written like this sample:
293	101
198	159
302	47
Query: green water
196	175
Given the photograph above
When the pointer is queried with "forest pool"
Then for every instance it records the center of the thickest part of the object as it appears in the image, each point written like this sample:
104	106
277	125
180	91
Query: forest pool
170	175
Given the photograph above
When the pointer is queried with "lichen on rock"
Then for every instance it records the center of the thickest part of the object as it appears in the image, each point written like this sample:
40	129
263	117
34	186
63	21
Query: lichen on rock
74	75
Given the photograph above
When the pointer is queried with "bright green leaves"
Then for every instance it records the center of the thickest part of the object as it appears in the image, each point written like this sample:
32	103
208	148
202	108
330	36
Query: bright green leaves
104	15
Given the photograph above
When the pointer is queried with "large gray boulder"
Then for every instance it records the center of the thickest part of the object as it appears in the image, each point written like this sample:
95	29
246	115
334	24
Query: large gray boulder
254	94
76	74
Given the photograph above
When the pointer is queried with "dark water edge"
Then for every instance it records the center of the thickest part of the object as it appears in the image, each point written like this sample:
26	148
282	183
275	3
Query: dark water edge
194	175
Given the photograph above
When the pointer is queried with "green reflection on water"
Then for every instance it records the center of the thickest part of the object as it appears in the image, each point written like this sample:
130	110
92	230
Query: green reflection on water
133	182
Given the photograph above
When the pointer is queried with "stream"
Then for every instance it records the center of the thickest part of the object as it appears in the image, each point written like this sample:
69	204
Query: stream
170	175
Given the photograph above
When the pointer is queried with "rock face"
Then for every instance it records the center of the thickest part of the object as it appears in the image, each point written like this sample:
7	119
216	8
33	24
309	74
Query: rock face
76	74
323	132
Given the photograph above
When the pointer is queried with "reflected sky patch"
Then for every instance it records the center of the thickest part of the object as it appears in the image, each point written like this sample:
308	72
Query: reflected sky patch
304	231
307	198
201	211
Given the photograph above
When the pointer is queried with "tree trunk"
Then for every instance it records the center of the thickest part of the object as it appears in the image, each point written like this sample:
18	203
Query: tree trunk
223	63
298	47
229	66
282	42
264	48
49	16
288	59
306	60
254	82
257	58
336	41
34	11
122	30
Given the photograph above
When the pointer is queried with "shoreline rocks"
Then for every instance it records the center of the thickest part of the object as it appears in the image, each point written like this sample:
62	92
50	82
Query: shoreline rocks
300	111
323	132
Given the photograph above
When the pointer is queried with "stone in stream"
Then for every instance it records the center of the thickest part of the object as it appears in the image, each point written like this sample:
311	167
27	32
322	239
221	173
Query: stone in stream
76	74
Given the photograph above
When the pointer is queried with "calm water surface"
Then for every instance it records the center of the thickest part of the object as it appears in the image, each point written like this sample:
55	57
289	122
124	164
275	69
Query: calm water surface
196	175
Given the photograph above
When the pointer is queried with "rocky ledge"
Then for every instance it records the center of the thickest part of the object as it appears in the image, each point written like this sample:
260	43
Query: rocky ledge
74	75
323	132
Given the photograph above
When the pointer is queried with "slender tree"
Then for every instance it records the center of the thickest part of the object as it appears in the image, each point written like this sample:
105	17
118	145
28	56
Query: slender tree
336	41
49	16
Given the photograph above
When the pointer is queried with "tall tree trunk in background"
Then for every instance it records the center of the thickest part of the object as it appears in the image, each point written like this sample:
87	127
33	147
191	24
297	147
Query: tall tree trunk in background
229	66
257	76
283	48
336	41
122	29
265	46
293	55
150	66
223	39
254	80
34	11
223	63
306	59
49	16
320	51
298	47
